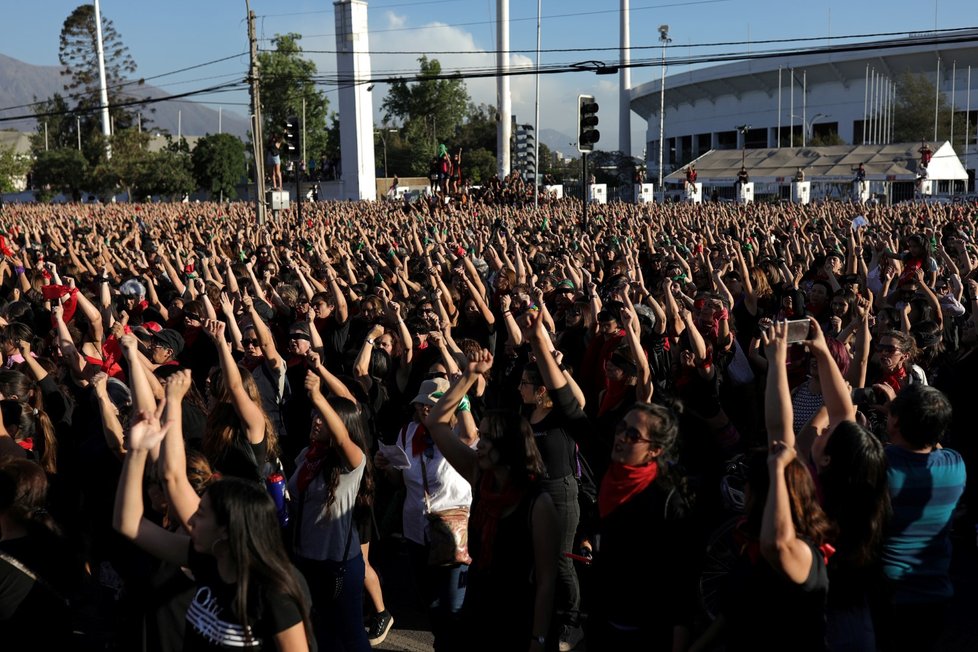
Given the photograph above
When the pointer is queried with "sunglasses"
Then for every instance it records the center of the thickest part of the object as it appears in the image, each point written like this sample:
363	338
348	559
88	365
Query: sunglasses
191	316
631	435
250	342
299	336
887	348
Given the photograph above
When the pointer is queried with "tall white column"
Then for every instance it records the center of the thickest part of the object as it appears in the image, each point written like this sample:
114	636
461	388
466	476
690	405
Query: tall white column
358	173
103	92
624	84
504	100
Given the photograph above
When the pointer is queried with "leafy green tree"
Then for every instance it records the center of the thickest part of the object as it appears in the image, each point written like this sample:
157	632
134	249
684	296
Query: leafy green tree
78	54
11	167
60	170
218	164
166	174
127	165
913	115
430	111
61	126
286	79
478	166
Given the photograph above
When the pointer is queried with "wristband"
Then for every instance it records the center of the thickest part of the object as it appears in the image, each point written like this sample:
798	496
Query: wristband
19	269
370	341
465	405
507	312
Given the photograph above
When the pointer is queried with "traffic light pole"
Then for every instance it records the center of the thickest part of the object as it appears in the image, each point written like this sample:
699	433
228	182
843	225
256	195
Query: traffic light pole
298	191
258	144
584	186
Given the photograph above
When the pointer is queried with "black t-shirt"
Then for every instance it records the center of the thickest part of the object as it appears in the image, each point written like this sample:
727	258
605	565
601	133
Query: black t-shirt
766	611
32	615
211	620
556	433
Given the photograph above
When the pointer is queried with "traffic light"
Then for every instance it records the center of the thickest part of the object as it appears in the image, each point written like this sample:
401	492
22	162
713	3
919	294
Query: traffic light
530	152
291	134
525	150
587	122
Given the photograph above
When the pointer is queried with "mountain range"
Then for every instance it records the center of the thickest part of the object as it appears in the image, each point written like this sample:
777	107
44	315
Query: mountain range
22	83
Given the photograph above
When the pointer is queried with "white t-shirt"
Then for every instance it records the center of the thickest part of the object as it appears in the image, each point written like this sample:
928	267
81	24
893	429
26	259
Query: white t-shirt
446	488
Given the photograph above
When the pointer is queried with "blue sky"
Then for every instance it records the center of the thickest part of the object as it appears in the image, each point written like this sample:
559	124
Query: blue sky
167	36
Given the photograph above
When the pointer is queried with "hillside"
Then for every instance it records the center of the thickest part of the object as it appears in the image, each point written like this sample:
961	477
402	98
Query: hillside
21	83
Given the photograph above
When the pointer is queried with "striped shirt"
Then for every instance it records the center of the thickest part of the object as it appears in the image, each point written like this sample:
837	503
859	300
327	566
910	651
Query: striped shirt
924	490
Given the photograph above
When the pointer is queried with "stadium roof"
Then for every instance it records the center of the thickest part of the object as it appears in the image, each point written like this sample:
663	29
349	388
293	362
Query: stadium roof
894	162
845	63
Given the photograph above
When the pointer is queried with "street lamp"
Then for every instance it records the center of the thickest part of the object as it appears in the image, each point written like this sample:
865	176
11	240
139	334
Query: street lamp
383	139
811	124
743	129
665	40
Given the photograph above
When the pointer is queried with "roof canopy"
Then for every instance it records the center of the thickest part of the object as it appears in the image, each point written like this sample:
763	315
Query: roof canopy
894	162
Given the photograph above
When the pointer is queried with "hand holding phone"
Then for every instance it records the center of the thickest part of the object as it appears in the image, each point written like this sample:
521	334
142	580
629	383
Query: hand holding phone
797	330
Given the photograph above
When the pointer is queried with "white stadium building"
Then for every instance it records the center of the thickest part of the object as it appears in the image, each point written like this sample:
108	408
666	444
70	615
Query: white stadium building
848	90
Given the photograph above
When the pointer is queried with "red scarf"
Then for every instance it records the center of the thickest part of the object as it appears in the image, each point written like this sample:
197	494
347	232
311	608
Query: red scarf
4	249
420	441
488	512
621	482
55	292
895	379
315	456
615	392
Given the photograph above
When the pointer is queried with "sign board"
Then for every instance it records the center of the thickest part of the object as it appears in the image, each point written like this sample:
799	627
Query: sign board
644	193
598	193
745	193
279	200
801	192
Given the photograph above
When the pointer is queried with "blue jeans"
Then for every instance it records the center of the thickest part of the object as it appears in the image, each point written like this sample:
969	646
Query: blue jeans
337	623
442	589
563	492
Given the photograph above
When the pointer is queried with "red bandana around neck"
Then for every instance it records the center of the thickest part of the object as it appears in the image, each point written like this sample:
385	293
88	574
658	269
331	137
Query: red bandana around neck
621	482
315	456
895	379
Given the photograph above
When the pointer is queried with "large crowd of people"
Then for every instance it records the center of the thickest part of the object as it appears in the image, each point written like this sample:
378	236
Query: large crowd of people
671	427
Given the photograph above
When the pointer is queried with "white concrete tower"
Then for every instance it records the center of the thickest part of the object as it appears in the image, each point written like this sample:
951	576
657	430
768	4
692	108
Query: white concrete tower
504	100
624	84
358	174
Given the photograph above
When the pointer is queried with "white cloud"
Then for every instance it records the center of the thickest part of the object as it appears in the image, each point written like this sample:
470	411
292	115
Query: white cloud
558	93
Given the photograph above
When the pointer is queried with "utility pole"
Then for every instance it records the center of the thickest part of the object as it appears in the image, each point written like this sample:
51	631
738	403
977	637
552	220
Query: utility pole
258	143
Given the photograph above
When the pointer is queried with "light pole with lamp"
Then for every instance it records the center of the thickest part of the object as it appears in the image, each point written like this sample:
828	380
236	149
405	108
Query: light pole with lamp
383	139
665	40
809	131
743	129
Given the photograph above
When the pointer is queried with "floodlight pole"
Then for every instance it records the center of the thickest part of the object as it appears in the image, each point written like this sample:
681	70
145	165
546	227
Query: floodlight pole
665	40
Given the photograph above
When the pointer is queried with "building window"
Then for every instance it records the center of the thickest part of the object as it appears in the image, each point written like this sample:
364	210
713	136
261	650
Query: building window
727	140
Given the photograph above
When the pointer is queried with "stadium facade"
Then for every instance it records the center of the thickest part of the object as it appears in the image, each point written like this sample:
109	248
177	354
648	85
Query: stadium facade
845	90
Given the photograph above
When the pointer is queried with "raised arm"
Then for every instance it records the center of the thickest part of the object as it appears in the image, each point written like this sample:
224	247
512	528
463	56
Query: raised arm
352	453
835	392
127	518
780	546
777	398
462	458
181	497
248	411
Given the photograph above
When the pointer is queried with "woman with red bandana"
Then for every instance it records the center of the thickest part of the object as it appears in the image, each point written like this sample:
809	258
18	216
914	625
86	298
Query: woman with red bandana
642	541
895	353
513	531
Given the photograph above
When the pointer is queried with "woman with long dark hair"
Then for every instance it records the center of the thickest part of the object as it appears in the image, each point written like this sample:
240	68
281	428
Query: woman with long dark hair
248	594
776	593
326	487
513	530
850	464
239	437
